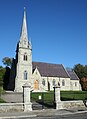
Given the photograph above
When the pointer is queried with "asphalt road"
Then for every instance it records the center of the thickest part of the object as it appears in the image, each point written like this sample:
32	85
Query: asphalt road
71	116
47	114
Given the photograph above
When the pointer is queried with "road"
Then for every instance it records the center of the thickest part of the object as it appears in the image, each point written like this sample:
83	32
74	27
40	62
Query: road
70	116
47	114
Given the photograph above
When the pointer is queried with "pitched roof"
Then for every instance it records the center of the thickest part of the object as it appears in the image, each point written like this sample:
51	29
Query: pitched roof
73	75
51	70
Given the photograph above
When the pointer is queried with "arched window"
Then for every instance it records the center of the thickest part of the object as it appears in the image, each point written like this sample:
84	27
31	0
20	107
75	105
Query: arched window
25	75
25	57
75	84
53	82
43	82
63	83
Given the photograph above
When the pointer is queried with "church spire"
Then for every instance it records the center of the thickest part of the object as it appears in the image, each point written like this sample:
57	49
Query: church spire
24	34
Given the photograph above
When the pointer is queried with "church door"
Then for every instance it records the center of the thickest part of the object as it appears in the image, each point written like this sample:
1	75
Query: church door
36	85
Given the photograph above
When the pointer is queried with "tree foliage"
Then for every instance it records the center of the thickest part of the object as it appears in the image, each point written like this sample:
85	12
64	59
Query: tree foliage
2	73
7	61
84	83
6	78
81	71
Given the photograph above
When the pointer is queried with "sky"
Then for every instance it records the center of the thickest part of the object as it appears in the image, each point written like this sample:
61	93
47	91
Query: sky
56	28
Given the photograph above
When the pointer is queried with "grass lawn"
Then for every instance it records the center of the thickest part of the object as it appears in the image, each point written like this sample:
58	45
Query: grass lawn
65	96
2	101
1	91
46	96
73	95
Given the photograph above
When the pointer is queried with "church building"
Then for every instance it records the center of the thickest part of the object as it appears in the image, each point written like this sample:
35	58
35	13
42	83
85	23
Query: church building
42	76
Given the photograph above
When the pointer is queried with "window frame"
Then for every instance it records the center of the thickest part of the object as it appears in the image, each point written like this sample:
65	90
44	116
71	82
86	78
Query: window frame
25	57
54	82
75	84
63	82
43	82
25	75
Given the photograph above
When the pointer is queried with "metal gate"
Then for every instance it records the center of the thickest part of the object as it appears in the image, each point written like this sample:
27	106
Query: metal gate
42	100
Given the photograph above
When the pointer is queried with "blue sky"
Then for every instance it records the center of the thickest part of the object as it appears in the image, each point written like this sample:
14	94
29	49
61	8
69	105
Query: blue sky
57	28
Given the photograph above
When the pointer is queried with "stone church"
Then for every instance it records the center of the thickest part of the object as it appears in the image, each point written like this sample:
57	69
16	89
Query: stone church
42	76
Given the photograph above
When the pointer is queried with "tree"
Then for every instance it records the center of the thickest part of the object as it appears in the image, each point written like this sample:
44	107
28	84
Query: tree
84	83
85	70
7	61
6	78
81	71
2	73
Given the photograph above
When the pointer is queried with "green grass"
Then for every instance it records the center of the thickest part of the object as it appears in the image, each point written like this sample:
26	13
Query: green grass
1	91
73	95
46	97
2	101
65	96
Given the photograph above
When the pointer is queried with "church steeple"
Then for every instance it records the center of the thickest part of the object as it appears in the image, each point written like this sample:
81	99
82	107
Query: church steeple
24	35
23	58
24	26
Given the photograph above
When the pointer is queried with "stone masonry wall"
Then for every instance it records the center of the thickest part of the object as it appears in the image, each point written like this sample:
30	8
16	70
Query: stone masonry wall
72	104
5	107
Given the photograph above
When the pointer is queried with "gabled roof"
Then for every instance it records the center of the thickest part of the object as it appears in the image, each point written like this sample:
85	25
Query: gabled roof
73	75
50	70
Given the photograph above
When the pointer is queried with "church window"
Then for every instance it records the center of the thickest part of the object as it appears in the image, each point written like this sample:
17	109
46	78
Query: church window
63	83
25	75
75	84
36	72
43	82
53	82
25	57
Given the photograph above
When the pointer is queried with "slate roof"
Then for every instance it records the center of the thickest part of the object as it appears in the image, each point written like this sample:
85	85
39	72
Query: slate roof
50	70
73	75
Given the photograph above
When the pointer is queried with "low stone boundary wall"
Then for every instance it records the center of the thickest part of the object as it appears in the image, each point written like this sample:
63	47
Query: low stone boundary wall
73	104
5	107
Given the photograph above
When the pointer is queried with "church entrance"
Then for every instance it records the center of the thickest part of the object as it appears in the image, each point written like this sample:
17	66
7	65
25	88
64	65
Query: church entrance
36	85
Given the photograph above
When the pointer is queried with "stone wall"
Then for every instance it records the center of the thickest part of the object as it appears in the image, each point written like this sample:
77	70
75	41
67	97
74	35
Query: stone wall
73	104
5	107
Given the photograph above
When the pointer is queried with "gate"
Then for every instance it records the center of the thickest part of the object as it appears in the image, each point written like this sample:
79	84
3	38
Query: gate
42	100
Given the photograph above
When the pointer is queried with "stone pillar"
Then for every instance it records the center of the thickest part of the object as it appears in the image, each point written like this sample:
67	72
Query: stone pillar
26	97
57	97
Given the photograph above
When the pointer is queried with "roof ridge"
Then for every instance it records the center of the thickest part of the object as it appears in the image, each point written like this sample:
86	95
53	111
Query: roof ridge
66	70
47	63
75	74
